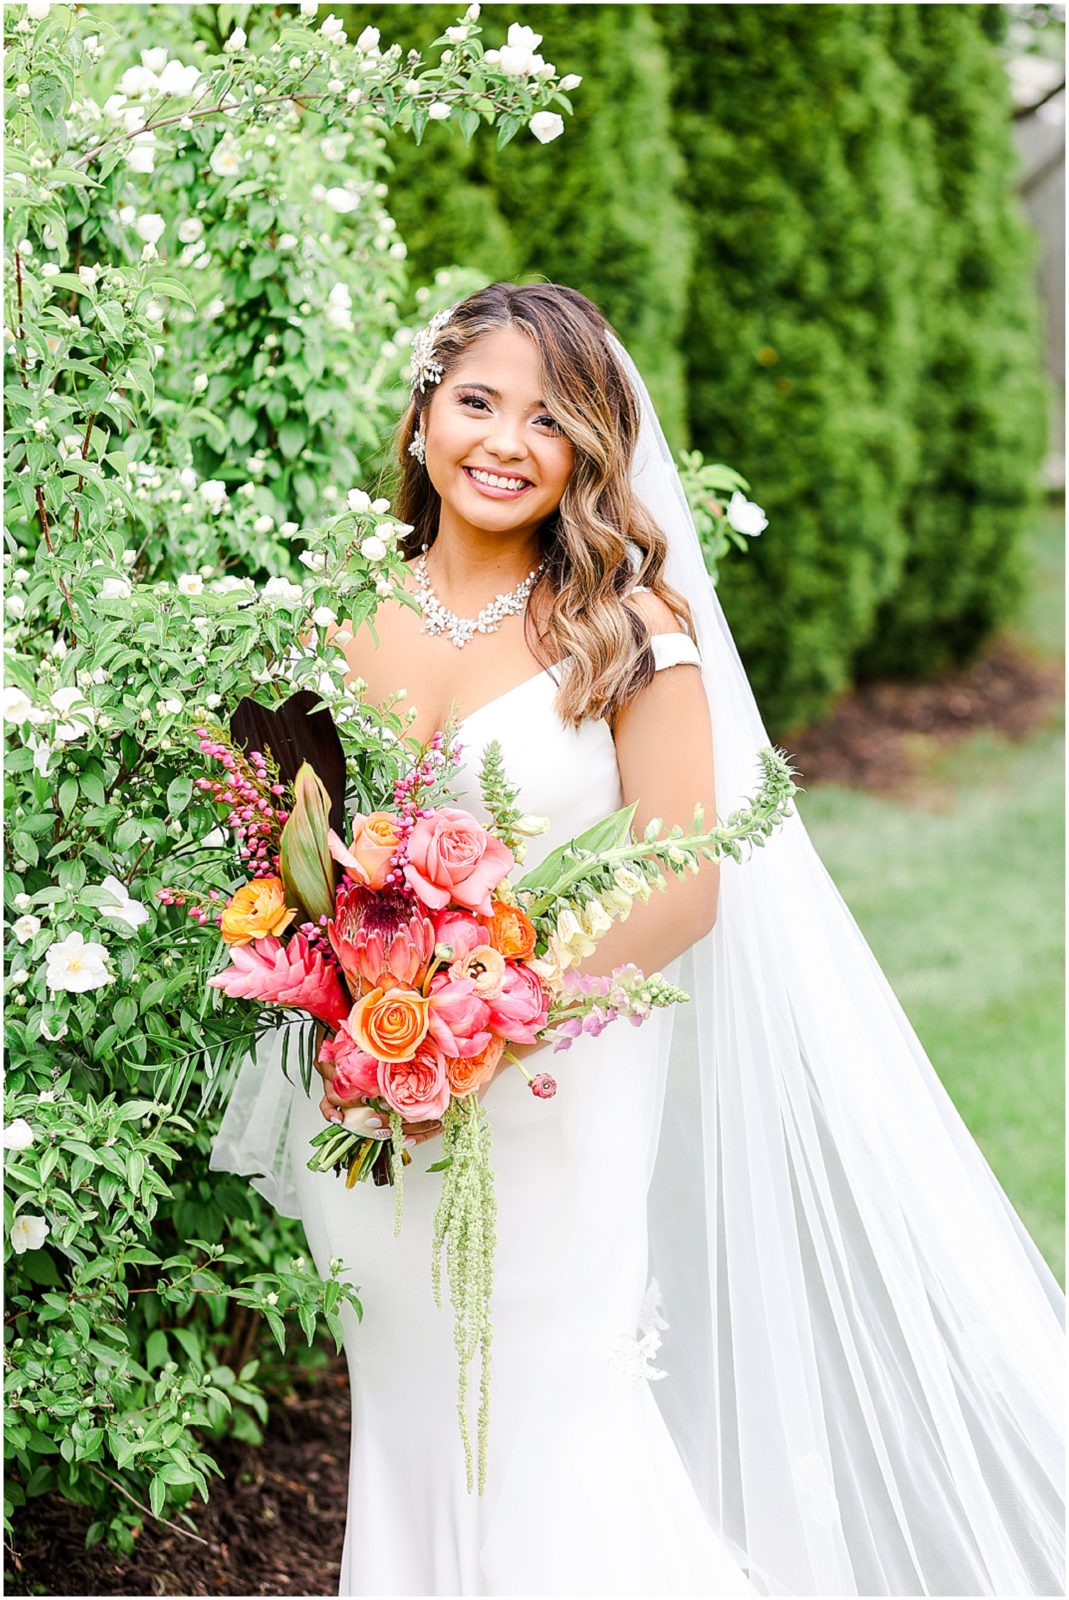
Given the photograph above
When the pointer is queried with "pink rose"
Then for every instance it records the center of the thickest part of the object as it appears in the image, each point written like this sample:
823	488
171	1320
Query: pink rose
459	1018
355	1072
458	928
417	1089
451	857
522	1007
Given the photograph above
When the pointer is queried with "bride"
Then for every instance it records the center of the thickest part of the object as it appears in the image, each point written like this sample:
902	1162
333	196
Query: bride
764	1320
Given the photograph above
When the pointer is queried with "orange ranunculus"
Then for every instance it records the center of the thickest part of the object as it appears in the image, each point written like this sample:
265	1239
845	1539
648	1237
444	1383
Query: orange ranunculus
465	1074
376	838
256	911
510	931
390	1023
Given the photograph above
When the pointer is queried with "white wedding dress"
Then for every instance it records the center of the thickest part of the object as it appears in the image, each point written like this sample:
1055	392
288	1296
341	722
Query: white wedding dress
586	1493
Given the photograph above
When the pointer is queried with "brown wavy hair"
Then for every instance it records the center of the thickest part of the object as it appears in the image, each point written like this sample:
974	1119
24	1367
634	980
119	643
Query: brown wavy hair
592	540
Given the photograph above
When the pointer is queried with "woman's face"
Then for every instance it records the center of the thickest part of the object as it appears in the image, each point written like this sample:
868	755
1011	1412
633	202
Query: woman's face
487	420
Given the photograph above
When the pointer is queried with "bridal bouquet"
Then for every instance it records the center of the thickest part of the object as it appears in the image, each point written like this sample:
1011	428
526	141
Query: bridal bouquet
423	960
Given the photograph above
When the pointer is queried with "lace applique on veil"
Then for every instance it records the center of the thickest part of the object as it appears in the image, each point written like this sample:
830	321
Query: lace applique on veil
633	1357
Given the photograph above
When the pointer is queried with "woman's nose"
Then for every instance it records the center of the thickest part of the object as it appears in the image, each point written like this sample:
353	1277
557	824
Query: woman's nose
504	439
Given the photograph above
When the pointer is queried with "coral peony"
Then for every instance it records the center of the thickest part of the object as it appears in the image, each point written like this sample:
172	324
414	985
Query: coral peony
257	911
452	857
380	939
459	1019
459	929
390	1023
510	931
521	1008
418	1089
376	838
466	1073
290	974
355	1071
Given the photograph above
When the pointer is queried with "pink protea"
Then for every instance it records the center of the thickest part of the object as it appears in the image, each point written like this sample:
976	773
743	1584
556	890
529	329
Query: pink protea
380	939
290	974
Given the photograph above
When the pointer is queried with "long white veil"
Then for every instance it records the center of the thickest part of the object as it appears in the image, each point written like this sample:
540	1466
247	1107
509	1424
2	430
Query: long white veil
864	1347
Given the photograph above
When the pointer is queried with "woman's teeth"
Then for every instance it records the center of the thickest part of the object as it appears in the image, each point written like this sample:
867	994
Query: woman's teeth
495	482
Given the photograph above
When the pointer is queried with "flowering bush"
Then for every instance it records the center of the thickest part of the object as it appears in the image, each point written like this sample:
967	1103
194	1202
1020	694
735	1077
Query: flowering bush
203	344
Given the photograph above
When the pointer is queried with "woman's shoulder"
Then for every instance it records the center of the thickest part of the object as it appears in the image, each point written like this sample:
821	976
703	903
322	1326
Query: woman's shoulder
656	613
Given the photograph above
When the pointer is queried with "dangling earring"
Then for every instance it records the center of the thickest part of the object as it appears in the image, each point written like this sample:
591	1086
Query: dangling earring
418	446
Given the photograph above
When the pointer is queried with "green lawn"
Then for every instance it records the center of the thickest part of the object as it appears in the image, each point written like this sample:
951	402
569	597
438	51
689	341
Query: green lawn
960	894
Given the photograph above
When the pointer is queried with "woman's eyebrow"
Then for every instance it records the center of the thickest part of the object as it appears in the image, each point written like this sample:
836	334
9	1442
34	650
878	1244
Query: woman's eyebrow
495	394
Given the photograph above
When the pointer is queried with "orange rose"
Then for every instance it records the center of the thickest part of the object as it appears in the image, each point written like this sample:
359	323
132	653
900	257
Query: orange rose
390	1023
375	841
464	1075
257	911
509	931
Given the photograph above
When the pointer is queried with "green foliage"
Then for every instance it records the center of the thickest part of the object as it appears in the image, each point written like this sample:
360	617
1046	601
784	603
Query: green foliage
980	407
802	347
597	209
180	382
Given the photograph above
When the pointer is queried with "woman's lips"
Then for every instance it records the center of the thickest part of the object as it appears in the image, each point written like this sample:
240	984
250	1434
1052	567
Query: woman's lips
492	493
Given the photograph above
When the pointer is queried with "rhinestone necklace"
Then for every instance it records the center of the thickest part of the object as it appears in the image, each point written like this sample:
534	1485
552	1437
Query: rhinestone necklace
439	619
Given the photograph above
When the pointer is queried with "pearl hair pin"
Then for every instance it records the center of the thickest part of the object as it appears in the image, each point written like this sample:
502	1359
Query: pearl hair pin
439	619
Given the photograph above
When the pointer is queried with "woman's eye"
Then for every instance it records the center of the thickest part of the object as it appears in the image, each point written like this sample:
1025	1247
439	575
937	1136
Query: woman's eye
477	400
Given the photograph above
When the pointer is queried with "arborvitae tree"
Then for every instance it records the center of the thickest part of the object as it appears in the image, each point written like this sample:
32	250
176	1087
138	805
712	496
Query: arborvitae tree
595	208
981	407
801	343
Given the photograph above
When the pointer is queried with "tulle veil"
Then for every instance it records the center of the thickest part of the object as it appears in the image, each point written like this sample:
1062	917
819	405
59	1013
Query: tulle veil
864	1346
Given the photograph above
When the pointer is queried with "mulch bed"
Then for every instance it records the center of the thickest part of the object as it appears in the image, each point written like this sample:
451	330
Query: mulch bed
276	1527
870	740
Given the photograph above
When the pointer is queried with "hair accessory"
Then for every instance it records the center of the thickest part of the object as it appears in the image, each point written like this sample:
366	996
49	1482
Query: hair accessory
423	368
418	446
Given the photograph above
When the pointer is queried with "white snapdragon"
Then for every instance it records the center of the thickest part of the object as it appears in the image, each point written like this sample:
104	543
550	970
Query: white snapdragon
745	516
76	964
546	125
28	1232
130	911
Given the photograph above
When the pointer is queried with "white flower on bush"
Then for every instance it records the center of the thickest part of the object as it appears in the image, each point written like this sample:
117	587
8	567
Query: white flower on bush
517	57
309	8
26	927
226	158
16	604
745	515
342	200
70	702
237	41
137	81
156	59
323	616
339	308
89	276
571	81
368	41
150	227
200	383
190	229
188	479
372	548
358	501
115	589
130	911
141	156
438	110
177	79
18	707
18	1135
46	1033
456	35
314	560
546	125
190	583
76	964
28	1232
332	29
288	529
282	589
287	241
213	493
263	524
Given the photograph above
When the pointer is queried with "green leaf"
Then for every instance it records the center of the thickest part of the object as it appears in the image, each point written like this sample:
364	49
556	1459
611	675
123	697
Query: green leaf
111	314
179	794
171	287
609	834
157	1495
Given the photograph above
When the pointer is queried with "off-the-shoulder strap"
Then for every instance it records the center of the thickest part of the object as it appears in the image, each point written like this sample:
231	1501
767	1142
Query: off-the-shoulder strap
674	650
